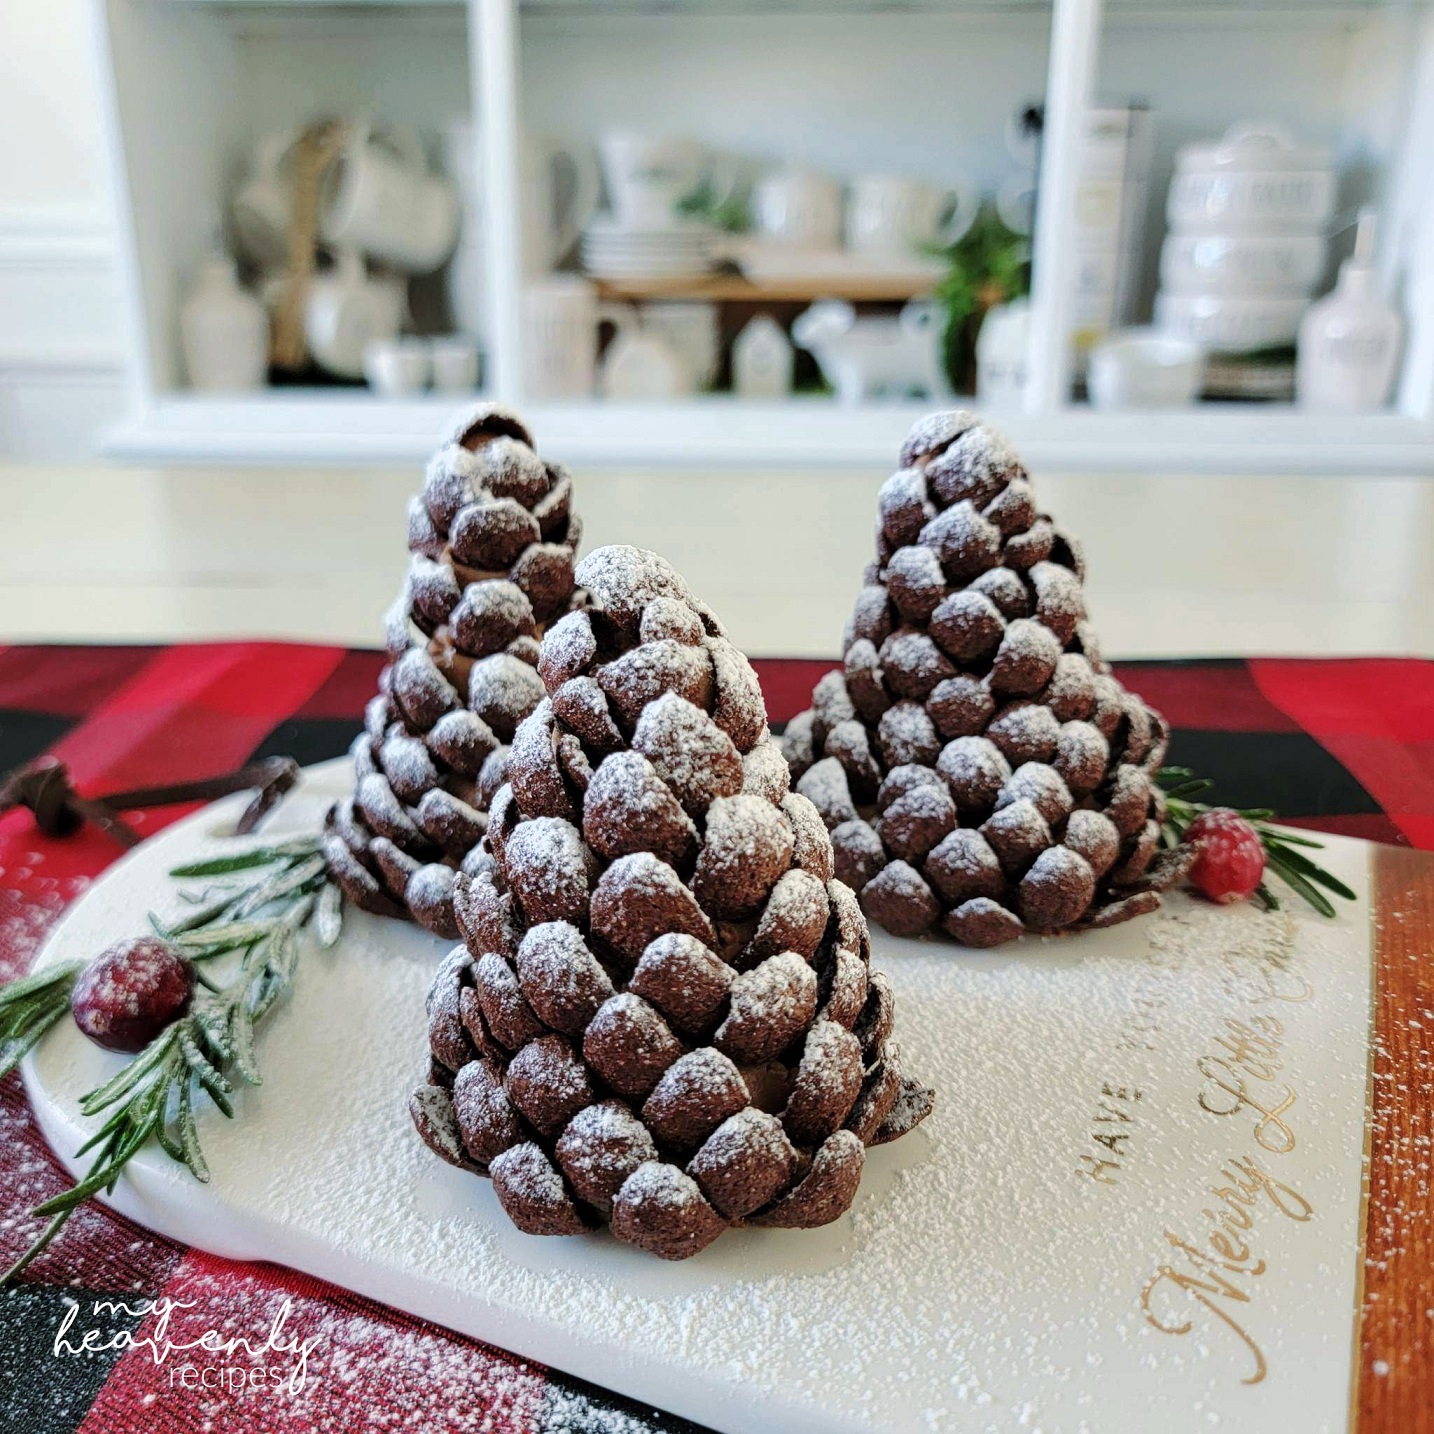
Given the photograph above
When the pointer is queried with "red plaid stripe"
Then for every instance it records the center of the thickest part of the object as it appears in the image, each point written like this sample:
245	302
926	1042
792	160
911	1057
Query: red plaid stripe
1207	696
1376	716
787	684
371	1368
68	681
193	710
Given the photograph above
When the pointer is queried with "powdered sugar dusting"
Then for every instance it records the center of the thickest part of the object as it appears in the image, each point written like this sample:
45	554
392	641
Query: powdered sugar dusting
657	1183
740	711
568	647
921	1308
525	1169
625	578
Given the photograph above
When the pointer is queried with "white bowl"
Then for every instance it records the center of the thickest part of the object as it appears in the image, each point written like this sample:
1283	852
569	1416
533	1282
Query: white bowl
1227	325
1143	368
455	364
1254	180
1242	265
1271	202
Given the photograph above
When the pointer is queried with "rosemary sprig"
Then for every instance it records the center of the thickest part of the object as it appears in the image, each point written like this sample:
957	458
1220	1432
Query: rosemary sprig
29	1007
1282	855
255	920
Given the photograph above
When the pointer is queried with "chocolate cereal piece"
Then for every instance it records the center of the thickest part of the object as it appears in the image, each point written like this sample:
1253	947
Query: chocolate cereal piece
532	1193
900	900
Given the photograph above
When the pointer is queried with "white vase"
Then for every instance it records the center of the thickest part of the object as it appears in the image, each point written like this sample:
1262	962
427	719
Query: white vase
224	331
560	334
465	276
762	360
1001	355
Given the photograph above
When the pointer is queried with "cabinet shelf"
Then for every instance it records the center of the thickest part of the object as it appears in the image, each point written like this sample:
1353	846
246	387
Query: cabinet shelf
734	288
320	429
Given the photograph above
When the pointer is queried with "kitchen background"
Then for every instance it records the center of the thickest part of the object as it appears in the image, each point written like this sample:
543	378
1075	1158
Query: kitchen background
725	246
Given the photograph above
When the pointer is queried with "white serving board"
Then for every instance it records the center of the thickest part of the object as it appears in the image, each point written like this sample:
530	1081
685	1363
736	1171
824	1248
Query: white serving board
984	1278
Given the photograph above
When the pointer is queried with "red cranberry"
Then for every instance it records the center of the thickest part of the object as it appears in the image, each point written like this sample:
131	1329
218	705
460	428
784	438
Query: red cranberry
1230	860
131	991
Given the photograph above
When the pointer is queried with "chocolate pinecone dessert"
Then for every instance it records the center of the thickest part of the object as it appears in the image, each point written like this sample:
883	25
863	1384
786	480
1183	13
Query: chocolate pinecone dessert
975	761
493	540
662	1016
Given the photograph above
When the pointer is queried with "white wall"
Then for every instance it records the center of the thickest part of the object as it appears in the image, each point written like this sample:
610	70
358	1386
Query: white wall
60	352
925	93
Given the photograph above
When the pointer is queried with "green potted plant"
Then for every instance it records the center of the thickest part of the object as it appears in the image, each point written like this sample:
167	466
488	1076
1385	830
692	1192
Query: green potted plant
989	264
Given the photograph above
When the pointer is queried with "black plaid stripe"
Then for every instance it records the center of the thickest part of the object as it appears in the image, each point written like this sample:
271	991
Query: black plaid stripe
41	1391
27	735
309	739
1287	771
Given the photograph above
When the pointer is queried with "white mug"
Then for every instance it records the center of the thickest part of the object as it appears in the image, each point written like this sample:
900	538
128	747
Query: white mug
889	215
560	318
379	197
648	176
346	310
396	368
798	207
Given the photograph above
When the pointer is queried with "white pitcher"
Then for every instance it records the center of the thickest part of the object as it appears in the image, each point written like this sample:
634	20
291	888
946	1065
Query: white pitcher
346	310
263	208
560	191
640	367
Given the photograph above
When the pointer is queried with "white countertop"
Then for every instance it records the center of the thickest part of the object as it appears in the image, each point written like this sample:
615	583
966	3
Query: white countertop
1179	565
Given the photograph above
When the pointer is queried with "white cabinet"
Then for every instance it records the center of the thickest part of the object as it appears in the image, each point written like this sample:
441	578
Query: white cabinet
925	89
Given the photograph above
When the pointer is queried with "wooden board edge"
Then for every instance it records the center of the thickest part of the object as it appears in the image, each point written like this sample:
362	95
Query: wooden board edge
1392	1387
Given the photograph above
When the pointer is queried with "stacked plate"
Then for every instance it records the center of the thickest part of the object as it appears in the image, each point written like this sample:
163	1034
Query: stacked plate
611	250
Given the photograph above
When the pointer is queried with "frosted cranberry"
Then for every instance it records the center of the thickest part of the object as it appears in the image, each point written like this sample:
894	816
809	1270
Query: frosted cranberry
1230	860
131	991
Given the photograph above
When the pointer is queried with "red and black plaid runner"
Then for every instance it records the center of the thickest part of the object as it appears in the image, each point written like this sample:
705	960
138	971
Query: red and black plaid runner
1344	746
